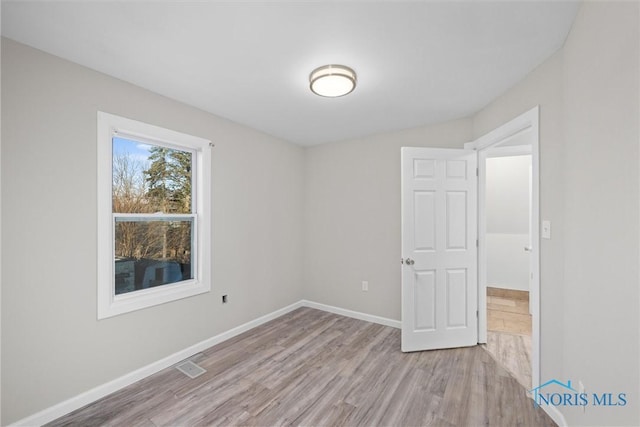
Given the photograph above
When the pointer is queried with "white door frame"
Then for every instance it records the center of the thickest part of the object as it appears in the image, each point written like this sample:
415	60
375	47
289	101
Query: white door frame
499	141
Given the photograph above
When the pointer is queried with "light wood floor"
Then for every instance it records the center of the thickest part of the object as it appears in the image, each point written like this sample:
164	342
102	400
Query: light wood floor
314	368
509	332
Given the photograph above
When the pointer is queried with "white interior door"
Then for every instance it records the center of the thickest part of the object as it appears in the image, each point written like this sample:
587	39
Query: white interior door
439	270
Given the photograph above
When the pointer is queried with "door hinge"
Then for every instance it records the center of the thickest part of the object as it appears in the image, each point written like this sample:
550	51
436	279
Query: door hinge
477	243
477	172
477	314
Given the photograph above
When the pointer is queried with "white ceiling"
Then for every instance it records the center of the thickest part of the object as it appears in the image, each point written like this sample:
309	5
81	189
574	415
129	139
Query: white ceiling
418	63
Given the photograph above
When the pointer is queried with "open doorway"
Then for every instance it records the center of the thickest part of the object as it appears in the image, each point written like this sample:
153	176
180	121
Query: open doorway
508	246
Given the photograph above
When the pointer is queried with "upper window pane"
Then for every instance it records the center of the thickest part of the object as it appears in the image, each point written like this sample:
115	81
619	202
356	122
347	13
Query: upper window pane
150	178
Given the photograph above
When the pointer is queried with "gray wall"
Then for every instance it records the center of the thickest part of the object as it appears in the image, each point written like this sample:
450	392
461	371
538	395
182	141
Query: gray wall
602	192
507	210
0	239
542	87
53	346
588	96
507	199
352	217
334	208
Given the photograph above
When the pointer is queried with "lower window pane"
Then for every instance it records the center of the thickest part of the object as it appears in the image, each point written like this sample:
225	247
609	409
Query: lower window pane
152	253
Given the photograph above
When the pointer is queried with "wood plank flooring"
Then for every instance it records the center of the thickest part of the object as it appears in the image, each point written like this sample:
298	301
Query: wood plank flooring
314	368
508	312
509	332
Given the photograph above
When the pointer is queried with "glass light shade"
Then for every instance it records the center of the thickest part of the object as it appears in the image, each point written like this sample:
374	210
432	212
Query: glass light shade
332	81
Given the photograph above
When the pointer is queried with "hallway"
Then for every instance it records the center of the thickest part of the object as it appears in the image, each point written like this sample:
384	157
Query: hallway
509	332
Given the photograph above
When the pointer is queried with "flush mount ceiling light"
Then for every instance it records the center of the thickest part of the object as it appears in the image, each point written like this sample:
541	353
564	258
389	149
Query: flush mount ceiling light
332	81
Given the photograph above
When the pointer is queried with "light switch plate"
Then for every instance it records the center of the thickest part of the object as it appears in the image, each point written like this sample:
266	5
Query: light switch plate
546	229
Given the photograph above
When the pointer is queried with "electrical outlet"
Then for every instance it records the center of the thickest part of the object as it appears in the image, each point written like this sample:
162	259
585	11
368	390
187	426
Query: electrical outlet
365	286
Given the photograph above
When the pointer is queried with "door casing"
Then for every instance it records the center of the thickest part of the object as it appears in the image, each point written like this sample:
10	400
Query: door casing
518	136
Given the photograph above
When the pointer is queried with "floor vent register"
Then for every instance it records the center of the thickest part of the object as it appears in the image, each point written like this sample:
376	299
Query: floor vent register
190	369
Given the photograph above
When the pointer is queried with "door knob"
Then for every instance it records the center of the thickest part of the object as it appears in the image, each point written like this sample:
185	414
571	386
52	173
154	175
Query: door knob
409	261
527	248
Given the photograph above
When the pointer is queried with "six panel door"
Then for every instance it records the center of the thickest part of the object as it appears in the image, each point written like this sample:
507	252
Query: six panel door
439	232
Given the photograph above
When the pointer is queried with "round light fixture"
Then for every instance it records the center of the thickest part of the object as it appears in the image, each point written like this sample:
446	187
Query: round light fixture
332	81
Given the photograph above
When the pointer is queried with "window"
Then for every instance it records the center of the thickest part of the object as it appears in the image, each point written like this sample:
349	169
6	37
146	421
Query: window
153	215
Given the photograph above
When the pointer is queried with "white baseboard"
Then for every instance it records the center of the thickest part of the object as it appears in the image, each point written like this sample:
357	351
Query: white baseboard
552	411
555	415
77	402
354	314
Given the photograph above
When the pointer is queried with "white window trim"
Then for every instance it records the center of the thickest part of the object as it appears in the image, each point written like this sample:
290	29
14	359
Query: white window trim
108	303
